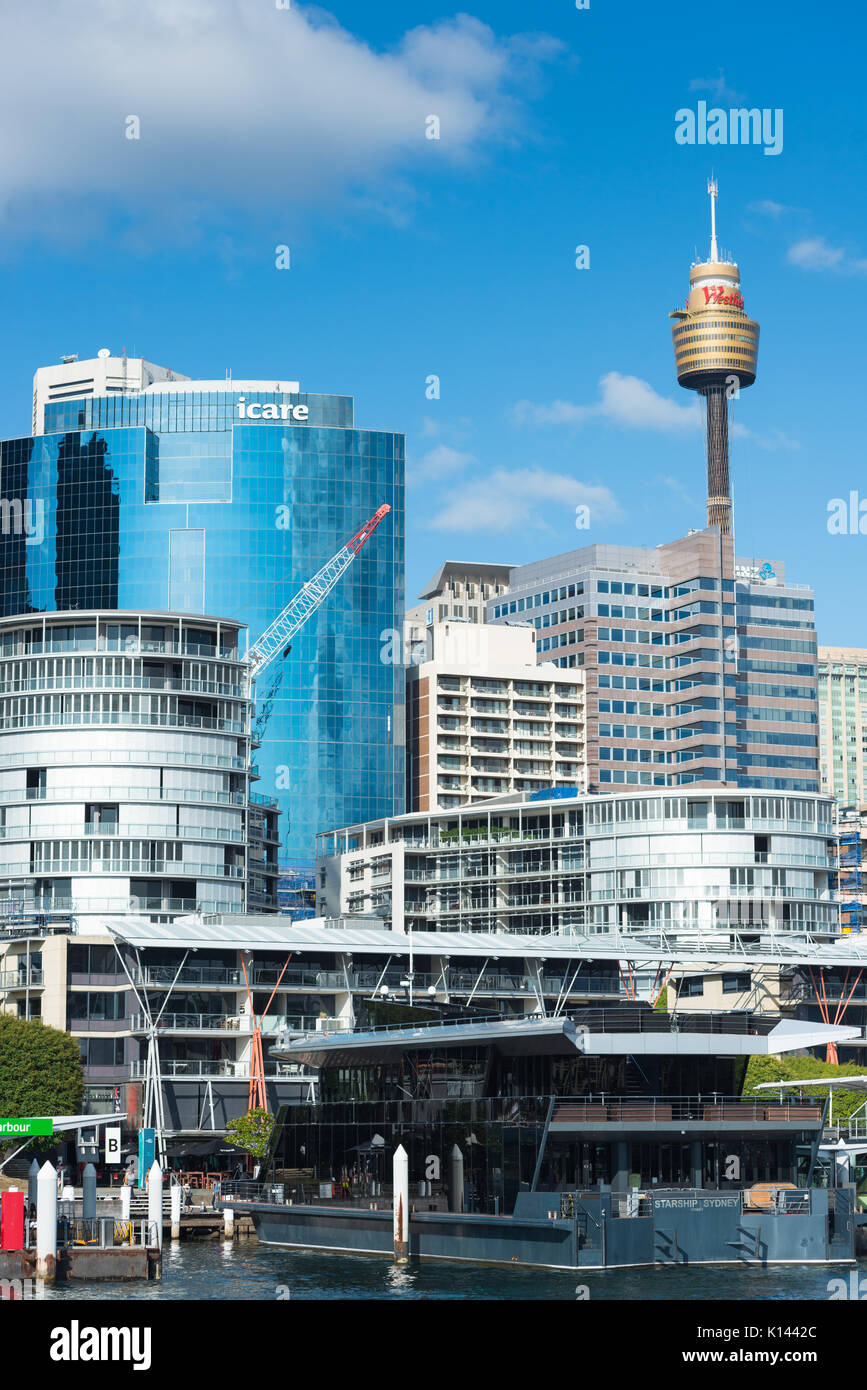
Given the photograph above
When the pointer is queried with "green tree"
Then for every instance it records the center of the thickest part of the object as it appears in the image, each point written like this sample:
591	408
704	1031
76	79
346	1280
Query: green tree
40	1070
761	1069
252	1132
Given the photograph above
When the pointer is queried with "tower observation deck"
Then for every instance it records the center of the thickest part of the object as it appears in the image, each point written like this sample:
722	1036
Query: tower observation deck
716	349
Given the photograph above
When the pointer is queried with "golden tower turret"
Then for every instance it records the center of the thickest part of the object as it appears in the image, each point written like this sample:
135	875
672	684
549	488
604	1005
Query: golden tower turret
716	348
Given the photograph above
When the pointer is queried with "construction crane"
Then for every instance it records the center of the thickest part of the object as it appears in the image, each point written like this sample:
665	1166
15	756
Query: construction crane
258	1096
277	638
284	627
263	714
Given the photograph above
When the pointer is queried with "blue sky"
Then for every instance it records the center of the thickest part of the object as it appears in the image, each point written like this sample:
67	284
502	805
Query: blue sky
413	257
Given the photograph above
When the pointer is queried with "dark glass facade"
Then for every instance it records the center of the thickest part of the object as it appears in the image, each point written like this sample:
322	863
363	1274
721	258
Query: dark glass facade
170	501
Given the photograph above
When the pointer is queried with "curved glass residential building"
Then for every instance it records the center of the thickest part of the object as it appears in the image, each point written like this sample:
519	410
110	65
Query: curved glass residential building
225	497
125	769
715	863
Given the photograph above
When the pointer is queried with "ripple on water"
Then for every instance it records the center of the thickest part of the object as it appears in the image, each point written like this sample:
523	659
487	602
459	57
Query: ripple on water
251	1272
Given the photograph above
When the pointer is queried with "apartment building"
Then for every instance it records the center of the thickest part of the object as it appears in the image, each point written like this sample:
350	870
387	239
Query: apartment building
746	866
126	768
483	718
457	593
843	723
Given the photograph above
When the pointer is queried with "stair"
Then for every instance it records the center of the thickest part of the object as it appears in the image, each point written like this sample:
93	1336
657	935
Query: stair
138	1203
634	1081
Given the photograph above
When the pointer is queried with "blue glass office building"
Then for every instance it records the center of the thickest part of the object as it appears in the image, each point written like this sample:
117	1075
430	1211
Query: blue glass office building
170	500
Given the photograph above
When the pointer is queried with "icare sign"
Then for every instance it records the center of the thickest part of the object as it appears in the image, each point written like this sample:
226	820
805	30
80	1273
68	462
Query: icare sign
257	411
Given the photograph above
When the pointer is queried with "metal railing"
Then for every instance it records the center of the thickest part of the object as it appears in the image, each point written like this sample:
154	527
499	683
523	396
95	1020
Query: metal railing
102	1233
120	682
776	1201
831	993
16	979
129	866
223	798
644	1020
622	1020
710	1108
122	646
239	1071
853	1130
192	1023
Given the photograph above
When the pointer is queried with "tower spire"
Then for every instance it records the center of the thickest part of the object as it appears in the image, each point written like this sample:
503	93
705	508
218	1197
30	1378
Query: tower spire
713	190
715	353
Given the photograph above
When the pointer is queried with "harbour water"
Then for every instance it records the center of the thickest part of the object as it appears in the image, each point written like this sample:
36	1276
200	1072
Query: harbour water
247	1271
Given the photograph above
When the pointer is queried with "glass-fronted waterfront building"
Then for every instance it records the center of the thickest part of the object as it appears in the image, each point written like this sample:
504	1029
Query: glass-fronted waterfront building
171	498
709	862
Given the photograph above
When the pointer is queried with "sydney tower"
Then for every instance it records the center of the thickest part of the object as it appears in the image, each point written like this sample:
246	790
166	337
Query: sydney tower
715	351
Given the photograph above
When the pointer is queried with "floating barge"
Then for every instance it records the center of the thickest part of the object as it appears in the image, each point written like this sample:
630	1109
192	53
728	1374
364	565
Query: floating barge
611	1138
589	1231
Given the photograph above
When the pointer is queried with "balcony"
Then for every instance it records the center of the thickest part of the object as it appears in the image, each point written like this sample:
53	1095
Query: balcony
714	1110
194	1023
174	1068
266	977
86	1026
125	718
19	979
107	867
132	683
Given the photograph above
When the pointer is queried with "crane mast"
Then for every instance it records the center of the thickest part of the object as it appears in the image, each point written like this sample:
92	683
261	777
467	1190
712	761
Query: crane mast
310	597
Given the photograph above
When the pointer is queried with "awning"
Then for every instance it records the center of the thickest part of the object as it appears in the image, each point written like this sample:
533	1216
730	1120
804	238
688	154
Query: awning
201	1148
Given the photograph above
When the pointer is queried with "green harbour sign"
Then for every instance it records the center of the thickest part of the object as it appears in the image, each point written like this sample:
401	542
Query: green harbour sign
25	1129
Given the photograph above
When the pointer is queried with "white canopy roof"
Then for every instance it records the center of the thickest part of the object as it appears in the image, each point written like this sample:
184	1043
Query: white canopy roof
369	936
845	1083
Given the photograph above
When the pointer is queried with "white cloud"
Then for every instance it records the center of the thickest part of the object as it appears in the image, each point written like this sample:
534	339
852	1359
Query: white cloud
626	401
438	462
777	440
240	101
768	208
675	486
717	86
509	499
815	253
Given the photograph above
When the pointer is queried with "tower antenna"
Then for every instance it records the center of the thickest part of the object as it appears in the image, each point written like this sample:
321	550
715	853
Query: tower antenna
715	352
713	190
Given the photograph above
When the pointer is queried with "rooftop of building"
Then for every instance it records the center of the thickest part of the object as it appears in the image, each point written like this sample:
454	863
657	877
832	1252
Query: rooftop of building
65	616
464	569
631	1029
351	935
558	795
852	656
289	388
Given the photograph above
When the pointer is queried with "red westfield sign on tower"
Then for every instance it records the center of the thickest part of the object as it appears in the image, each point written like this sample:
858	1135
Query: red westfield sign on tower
716	294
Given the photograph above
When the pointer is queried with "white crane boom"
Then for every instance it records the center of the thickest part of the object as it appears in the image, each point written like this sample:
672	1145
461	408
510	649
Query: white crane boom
308	599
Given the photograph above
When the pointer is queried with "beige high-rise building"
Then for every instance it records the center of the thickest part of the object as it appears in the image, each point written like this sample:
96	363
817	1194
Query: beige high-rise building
843	723
457	593
483	718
